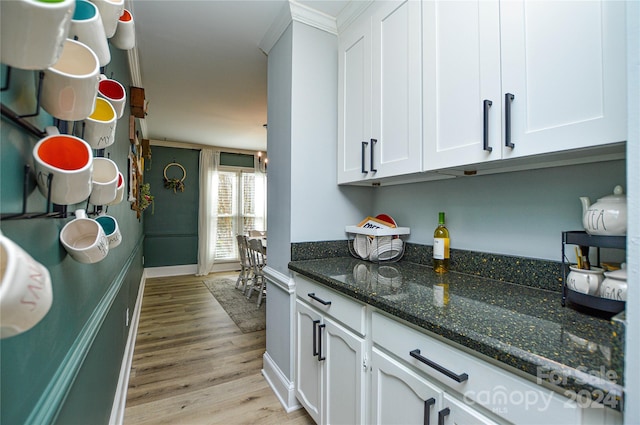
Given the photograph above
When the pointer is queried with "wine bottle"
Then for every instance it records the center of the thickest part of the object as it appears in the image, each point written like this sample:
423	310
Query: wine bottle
441	246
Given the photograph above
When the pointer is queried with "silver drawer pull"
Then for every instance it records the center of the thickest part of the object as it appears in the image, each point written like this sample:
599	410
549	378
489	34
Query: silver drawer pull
458	378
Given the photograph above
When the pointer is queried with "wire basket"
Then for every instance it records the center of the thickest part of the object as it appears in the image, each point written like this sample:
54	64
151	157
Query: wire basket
377	245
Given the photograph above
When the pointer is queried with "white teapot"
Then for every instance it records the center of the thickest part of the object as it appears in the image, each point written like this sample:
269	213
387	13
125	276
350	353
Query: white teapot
608	216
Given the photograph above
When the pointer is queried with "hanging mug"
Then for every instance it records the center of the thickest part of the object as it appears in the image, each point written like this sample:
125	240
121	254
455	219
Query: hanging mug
84	239
70	86
25	289
125	36
99	128
86	27
114	92
111	230
104	185
65	163
110	11
33	32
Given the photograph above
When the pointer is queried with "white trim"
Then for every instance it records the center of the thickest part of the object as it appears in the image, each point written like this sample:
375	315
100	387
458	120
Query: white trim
312	17
281	386
167	271
276	30
120	398
284	282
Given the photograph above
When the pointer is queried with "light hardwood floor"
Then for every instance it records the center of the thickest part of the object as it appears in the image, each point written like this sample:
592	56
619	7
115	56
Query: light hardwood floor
193	365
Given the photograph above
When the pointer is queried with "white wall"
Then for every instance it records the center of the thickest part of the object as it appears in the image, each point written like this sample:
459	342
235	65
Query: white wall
279	152
279	199
320	209
520	213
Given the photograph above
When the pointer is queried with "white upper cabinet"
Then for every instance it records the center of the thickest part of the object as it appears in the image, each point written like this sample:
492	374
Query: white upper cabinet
565	64
380	93
521	78
461	75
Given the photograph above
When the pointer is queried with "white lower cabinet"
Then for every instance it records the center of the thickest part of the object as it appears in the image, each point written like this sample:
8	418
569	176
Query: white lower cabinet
329	364
401	396
356	365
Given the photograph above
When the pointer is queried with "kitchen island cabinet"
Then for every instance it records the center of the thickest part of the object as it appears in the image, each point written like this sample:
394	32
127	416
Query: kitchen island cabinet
512	353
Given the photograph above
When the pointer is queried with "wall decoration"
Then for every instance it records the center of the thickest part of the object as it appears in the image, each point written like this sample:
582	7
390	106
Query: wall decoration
173	182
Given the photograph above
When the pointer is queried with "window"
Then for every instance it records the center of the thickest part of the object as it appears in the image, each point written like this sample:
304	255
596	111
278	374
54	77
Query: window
241	208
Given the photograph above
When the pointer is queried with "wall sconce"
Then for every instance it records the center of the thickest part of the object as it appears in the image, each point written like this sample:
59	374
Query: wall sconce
262	163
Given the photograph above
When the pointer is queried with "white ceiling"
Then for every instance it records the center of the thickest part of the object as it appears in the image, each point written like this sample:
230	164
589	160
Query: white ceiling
205	78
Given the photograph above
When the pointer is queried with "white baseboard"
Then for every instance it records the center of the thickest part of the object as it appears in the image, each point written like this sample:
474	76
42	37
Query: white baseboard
170	271
188	269
120	398
281	386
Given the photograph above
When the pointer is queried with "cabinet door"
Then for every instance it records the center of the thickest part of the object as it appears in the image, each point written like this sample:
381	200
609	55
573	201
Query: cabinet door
399	396
308	369
455	412
461	71
354	102
397	90
344	385
564	62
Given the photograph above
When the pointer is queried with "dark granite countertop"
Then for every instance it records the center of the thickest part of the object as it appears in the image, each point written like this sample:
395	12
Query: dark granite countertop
519	326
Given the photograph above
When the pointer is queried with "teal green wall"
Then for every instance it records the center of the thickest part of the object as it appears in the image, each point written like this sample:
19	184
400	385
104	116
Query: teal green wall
65	369
171	226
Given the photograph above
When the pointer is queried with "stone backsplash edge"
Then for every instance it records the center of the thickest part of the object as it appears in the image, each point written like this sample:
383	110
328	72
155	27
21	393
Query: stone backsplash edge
541	274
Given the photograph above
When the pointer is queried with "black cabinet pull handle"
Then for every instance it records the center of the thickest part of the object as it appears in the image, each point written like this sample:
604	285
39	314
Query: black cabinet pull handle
320	300
485	133
320	356
443	414
315	338
458	378
364	147
427	409
508	98
373	142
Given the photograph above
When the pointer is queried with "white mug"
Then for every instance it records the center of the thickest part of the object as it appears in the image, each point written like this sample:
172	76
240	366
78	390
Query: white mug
111	230
585	281
70	86
33	32
125	36
110	11
114	92
25	289
100	127
84	239
69	161
104	184
119	190
86	27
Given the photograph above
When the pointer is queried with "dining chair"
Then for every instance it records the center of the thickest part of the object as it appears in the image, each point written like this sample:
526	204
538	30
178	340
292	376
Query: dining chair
257	233
258	260
246	268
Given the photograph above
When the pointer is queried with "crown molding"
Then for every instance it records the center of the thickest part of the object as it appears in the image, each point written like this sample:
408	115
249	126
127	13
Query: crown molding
134	70
351	11
312	17
275	31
